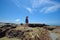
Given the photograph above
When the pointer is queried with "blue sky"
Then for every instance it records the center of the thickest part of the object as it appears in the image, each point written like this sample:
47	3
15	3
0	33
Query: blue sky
39	11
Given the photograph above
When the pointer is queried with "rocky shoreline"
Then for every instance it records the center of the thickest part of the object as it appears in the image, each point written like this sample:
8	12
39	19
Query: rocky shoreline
29	33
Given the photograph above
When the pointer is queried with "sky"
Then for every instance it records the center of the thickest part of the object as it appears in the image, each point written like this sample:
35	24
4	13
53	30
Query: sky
38	11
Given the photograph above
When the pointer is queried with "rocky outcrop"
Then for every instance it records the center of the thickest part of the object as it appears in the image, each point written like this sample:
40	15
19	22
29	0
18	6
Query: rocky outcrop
56	30
37	25
50	27
4	29
58	38
29	33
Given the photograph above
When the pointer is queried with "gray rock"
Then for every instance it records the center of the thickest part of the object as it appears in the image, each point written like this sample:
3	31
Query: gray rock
58	38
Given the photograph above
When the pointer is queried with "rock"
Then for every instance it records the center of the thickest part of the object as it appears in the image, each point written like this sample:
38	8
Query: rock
37	25
56	30
58	38
2	32
11	33
4	29
50	27
15	33
29	33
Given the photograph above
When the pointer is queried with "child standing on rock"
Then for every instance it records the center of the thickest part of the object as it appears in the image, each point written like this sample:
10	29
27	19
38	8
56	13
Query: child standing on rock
26	21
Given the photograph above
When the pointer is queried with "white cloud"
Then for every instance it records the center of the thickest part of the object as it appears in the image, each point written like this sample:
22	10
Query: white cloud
45	5
18	4
43	9
52	9
38	3
29	10
17	20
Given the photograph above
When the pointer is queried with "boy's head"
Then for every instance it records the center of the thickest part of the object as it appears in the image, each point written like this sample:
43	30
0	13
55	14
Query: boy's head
26	17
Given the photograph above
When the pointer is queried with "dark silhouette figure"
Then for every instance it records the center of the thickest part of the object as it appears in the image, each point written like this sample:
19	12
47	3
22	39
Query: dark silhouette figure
26	21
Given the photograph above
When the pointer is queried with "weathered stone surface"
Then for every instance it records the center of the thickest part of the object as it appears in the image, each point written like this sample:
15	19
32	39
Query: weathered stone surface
58	38
37	34
30	34
4	29
2	32
56	30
